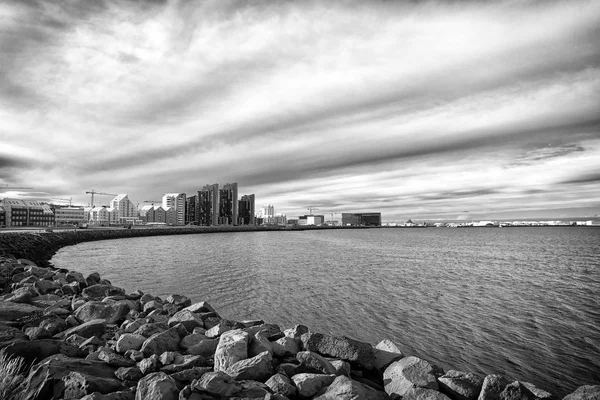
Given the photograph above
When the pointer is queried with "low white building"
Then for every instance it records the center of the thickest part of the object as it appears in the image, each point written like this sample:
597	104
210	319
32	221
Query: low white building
99	216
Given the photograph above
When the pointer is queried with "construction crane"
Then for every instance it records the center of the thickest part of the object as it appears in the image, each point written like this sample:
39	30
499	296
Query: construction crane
153	201
69	199
14	187
93	192
311	209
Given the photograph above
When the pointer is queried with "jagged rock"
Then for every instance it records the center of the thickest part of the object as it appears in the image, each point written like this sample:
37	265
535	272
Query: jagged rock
95	327
184	362
281	384
129	341
386	352
93	341
191	340
44	286
54	325
209	322
258	368
114	359
161	342
516	391
38	272
22	295
129	374
150	329
77	385
285	346
112	313
406	373
132	326
539	393
309	384
232	347
272	331
168	357
341	367
424	394
216	383
152	305
38	349
289	369
70	289
492	386
201	307
296	332
253	390
150	364
460	385
75	340
36	332
342	347
189	375
187	318
259	343
179	301
224	326
206	348
586	392
71	321
344	388
9	333
10	311
73	276
98	291
315	363
135	355
157	386
120	395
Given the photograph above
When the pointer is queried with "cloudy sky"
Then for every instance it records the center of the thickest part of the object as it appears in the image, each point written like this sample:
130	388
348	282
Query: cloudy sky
421	109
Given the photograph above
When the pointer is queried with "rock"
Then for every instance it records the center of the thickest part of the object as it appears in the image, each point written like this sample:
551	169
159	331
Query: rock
341	367
161	342
149	365
152	305
129	374
189	375
586	392
191	340
315	363
539	393
216	383
133	326
168	357
95	327
258	368
9	333
516	391
424	394
73	276
281	384
460	385
148	330
386	352
289	369
309	384
201	307
44	286
129	341
296	332
70	289
10	311
77	385
184	362
32	350
259	343
38	272
356	352
179	301
54	325
135	355
36	332
93	279
187	318
157	386
406	373
285	346
272	331
492	386
120	395
112	313
114	359
223	326
232	347
71	321
344	388
23	294
98	291
253	390
206	348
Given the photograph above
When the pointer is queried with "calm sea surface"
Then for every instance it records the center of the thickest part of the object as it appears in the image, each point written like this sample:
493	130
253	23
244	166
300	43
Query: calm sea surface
520	301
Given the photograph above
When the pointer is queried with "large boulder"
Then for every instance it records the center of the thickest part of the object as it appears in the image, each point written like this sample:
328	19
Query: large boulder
192	340
259	343
309	384
95	327
351	350
200	307
492	386
10	311
77	385
517	391
129	341
161	342
281	384
460	385
112	313
217	384
223	326
232	347
344	388
206	348
258	368
157	386
189	319
99	291
386	352
587	392
189	375
285	346
407	373
313	362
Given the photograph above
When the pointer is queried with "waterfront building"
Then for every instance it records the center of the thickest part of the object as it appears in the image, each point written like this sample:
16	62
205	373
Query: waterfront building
177	201
311	220
113	215
15	212
147	213
267	213
39	214
246	210
123	210
280	219
191	210
171	216
208	205
2	216
160	215
99	216
69	215
19	212
228	204
361	219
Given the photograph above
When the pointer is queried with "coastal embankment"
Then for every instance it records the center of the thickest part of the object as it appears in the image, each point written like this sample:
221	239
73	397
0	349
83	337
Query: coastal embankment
86	338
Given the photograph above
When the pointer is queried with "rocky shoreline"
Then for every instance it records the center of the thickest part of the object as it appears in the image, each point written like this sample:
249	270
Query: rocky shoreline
86	338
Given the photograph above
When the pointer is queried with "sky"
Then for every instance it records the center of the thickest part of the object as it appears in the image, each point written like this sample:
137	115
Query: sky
415	109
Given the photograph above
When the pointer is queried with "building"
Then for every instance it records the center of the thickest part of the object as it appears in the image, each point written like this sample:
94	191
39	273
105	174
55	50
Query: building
160	215
171	216
177	201
19	212
125	211
99	216
267	213
208	205
280	219
361	219
69	215
191	210
147	214
246	210
311	220
15	212
2	216
228	204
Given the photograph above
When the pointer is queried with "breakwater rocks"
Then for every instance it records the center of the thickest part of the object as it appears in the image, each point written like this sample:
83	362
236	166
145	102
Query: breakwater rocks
87	339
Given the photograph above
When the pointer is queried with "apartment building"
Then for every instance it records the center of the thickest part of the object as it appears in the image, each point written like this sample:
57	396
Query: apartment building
178	203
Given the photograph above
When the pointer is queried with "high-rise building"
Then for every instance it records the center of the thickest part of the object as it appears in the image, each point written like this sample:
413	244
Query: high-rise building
191	210
208	205
177	201
361	219
246	210
228	204
267	213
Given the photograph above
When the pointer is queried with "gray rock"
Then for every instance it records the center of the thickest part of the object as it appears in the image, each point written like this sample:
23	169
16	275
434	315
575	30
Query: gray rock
351	350
206	348
259	343
8	333
168	357
201	307
149	365
232	347
54	325
10	311
152	305
157	386
98	291
192	340
289	369
129	341
161	342
179	301
135	355
539	393
23	294
253	390
296	332
460	385
129	374
36	332
386	352
216	383
492	386
281	384
189	375
406	373
516	391
114	359
95	327
77	385
272	331
586	392
285	346
344	388
424	394
32	350
224	326
185	362
112	313
189	319
150	329
120	395
309	385
258	368
315	363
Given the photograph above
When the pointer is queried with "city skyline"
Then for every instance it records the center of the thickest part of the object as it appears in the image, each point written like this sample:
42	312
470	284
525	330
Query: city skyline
423	110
